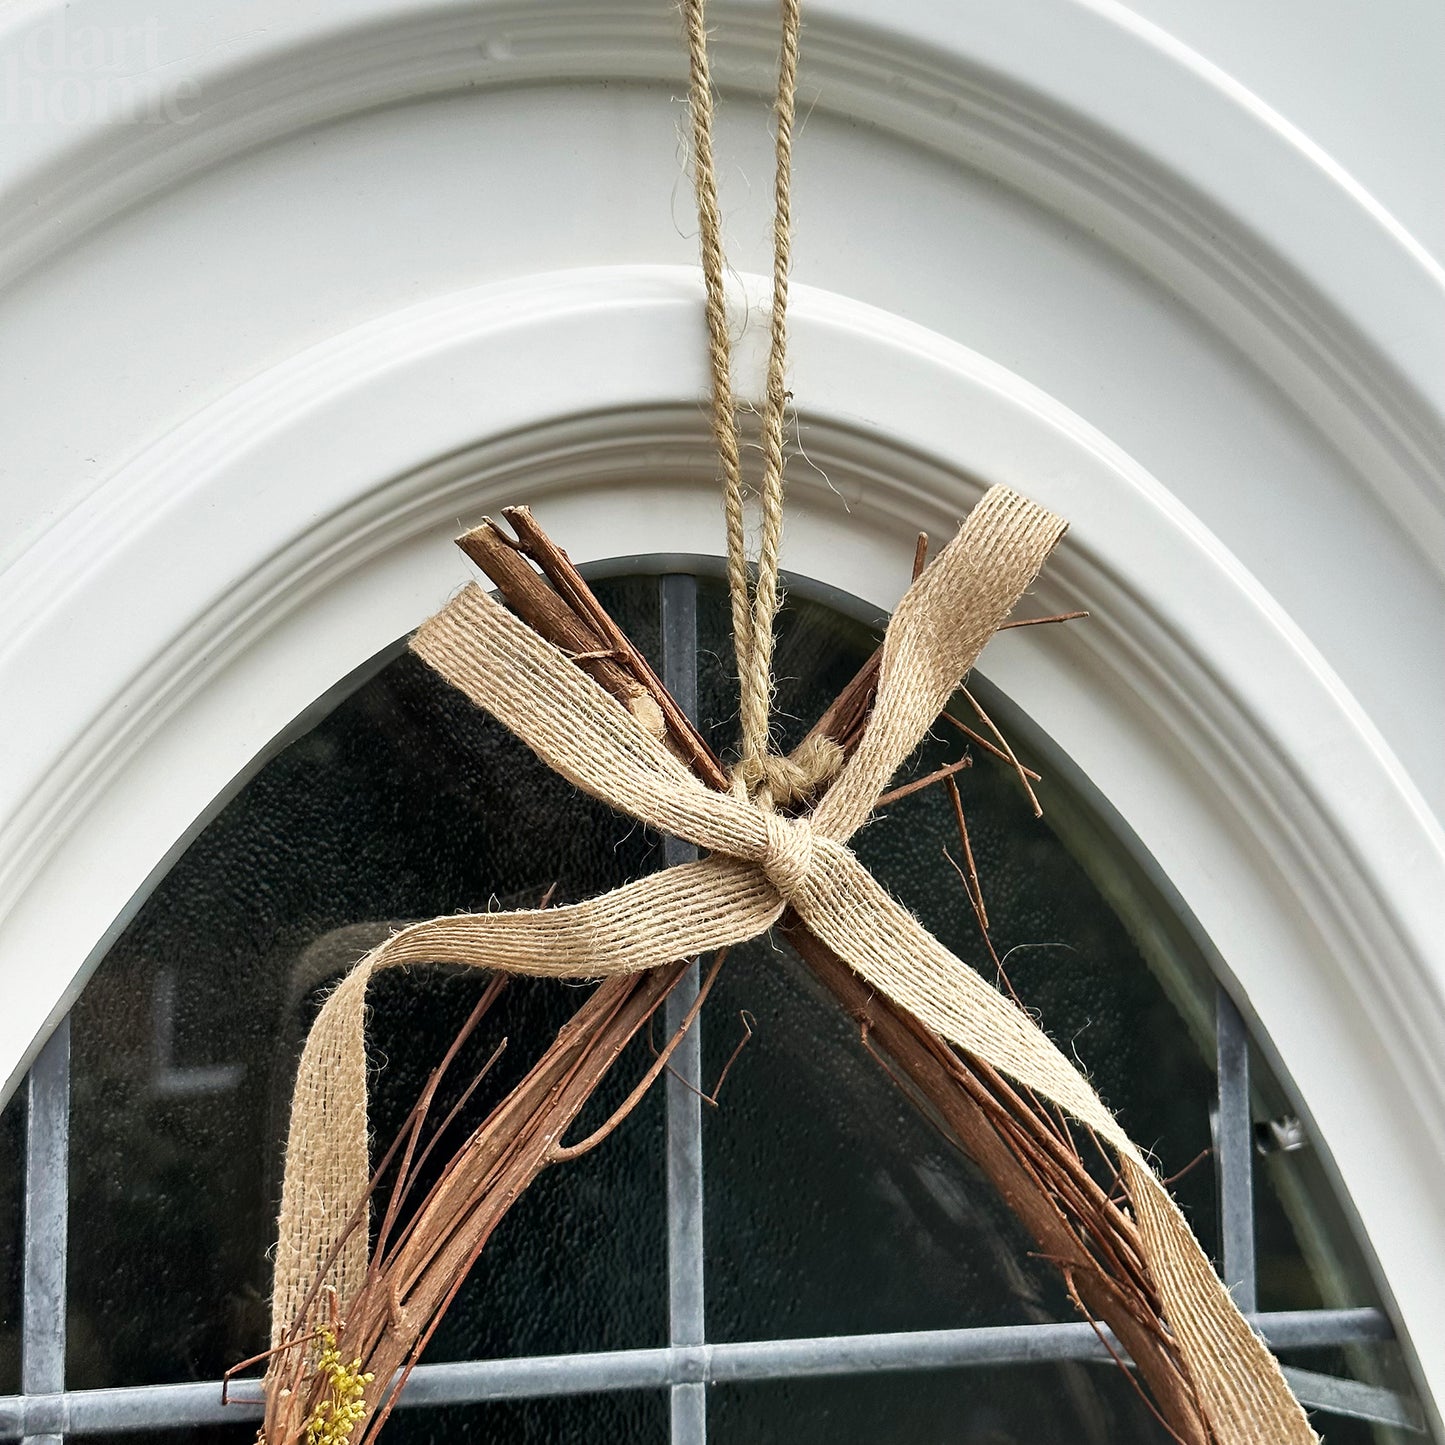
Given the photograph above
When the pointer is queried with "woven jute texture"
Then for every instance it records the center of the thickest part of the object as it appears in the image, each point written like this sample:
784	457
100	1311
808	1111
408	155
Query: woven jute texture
759	863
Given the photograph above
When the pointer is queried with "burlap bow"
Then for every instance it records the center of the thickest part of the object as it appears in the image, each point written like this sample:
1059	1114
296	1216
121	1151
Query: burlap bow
759	864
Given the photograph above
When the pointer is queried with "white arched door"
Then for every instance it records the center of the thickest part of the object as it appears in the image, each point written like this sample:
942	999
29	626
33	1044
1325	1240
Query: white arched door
286	292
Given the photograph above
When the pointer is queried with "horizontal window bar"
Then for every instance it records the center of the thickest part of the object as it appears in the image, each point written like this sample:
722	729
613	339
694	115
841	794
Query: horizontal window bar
1355	1400
155	1407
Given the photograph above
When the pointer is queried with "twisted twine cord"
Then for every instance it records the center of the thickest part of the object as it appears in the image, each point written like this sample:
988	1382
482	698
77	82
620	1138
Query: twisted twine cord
752	624
765	602
724	411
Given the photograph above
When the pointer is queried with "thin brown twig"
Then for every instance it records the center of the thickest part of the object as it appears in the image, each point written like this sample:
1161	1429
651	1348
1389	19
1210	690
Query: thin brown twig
920	555
473	1085
1039	621
975	887
561	1152
992	749
381	1257
404	1169
919	784
974	891
1116	1189
749	1024
973	902
287	1344
1003	743
1114	1355
1047	1116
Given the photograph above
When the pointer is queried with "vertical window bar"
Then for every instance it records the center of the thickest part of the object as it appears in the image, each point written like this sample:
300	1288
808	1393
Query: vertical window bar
684	1083
1234	1142
47	1184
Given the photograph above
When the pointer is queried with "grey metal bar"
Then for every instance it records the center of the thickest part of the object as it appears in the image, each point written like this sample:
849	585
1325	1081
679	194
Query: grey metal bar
154	1407
684	1168
678	596
688	1412
1355	1400
1234	1144
1305	1329
47	1197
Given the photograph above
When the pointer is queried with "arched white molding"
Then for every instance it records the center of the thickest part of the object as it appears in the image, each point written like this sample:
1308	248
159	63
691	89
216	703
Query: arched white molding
258	555
1079	103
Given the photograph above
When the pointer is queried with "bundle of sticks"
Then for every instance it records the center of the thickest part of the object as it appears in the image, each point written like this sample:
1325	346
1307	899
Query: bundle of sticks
340	1382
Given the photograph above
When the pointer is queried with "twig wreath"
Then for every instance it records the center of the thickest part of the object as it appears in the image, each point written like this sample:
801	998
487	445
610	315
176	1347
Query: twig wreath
352	1312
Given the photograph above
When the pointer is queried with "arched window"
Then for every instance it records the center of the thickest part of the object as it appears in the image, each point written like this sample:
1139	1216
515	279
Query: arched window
800	1257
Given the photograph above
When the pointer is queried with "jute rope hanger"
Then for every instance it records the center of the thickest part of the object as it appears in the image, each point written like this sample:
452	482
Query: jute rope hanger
759	772
759	863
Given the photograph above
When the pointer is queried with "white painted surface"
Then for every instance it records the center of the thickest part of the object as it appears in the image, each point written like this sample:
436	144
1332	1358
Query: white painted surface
1361	80
262	352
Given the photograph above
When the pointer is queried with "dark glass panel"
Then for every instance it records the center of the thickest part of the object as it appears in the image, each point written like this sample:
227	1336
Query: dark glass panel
1066	1404
238	1434
634	1417
404	802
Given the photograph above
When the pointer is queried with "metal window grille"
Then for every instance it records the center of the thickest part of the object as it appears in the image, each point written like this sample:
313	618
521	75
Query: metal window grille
47	1414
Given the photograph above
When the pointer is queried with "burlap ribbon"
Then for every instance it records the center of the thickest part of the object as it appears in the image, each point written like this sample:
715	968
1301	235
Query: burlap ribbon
759	863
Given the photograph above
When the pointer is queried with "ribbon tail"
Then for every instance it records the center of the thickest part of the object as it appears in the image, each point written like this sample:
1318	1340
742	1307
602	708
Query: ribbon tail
883	943
692	908
942	624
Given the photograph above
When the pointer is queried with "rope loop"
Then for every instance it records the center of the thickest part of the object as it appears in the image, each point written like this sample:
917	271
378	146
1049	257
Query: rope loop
754	615
797	778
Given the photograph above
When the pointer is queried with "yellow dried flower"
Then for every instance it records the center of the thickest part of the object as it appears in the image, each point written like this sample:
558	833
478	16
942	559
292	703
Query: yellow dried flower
343	1406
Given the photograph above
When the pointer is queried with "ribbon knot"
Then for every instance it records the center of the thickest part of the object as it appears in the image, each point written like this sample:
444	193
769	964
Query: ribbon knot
788	859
